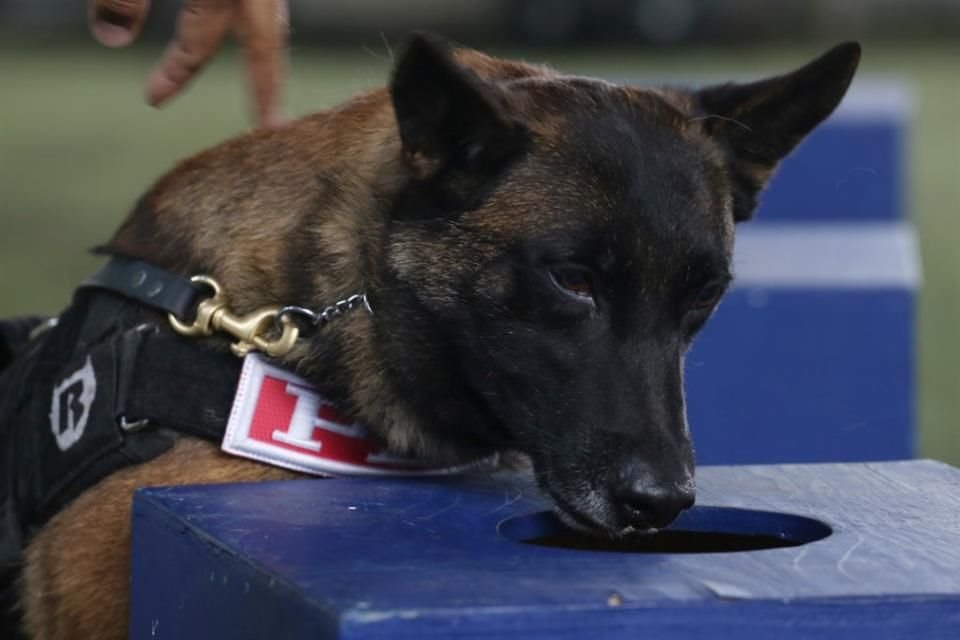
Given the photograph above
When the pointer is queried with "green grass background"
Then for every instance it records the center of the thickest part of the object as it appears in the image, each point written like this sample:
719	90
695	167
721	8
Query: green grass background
77	145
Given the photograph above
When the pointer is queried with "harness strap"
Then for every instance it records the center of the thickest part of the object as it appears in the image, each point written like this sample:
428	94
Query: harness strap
149	285
72	411
164	380
73	401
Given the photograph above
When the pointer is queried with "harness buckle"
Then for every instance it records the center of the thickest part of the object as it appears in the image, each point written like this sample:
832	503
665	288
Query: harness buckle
251	331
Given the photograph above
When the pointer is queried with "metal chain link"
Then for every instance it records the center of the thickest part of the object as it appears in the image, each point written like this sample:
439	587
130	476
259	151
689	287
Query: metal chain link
328	314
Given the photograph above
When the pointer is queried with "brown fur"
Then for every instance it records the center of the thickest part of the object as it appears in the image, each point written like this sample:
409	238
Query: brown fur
82	554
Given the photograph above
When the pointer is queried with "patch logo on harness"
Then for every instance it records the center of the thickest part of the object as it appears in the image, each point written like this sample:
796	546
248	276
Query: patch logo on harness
70	405
278	418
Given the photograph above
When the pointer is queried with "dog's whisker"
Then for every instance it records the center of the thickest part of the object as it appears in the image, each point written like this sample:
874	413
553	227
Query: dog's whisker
714	116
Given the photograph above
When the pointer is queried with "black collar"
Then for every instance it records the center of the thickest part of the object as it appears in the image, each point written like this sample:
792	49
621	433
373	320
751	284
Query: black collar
149	285
197	306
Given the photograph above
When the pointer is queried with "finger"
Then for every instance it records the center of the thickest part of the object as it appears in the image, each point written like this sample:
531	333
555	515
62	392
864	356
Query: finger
264	30
201	27
117	23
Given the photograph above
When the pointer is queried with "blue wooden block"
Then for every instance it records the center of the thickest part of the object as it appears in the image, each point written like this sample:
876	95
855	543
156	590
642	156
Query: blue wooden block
851	168
430	558
810	357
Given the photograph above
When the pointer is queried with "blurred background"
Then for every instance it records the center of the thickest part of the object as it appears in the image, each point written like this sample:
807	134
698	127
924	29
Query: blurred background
77	143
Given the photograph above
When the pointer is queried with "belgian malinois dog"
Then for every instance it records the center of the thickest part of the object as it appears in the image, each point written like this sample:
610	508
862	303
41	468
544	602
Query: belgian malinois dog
538	249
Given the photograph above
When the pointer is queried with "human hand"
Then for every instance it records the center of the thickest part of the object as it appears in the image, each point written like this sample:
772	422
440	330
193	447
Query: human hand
261	26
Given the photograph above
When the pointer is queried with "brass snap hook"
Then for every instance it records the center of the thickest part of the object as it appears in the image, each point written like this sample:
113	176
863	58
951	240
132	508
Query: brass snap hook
250	331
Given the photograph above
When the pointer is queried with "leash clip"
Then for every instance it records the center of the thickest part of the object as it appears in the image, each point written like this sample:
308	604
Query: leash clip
250	331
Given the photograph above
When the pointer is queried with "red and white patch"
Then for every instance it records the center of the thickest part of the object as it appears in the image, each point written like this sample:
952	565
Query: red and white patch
280	419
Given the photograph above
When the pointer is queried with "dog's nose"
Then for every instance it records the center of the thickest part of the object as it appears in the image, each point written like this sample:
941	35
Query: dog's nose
645	503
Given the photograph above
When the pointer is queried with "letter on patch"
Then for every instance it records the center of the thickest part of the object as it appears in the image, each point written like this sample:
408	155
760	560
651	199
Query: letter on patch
70	406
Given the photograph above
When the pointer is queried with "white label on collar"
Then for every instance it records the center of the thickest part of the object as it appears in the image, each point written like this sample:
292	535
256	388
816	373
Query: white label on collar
278	418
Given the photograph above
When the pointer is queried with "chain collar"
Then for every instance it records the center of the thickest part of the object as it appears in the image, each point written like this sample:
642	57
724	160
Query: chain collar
325	316
270	330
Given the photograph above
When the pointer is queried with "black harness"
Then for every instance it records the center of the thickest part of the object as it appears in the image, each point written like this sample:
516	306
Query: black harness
107	386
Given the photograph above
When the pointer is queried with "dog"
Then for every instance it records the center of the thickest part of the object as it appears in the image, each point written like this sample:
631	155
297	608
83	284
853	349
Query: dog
537	251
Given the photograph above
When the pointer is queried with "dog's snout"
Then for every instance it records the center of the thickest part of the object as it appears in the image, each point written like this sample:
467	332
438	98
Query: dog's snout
645	502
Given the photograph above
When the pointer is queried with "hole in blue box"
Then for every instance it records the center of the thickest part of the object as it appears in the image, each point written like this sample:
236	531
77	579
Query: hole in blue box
697	530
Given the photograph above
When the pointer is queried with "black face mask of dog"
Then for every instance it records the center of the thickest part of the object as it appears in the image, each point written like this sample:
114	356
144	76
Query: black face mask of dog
563	242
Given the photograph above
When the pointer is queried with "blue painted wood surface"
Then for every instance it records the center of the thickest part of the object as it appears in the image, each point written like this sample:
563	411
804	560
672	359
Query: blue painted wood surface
818	374
380	558
848	169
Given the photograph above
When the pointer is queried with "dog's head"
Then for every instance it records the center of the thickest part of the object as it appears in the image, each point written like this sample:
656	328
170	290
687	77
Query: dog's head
562	242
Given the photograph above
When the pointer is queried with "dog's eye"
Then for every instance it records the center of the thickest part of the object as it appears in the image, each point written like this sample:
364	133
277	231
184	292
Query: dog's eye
708	296
573	280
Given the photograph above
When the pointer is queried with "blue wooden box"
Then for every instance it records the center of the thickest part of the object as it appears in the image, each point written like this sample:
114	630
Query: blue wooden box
810	358
431	558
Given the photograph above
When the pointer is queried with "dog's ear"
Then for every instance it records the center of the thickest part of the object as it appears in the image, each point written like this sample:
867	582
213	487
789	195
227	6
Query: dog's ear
453	125
760	123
